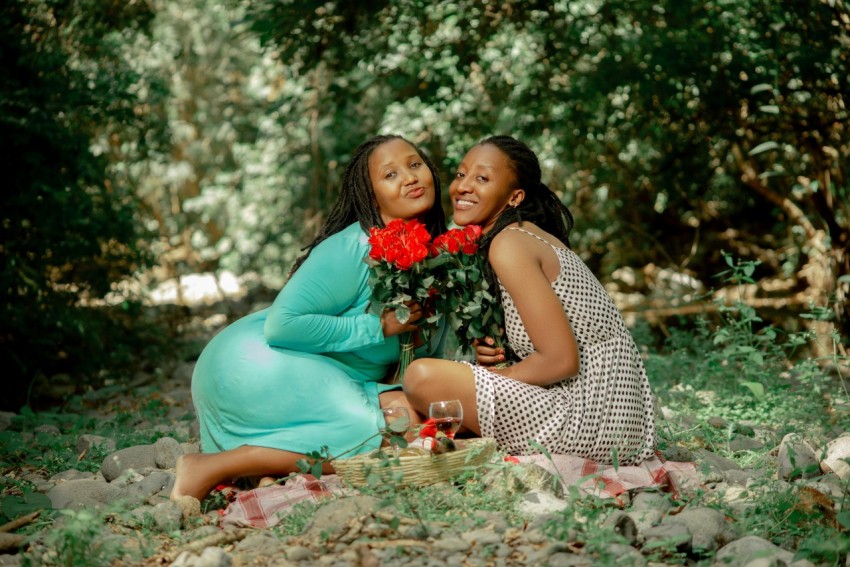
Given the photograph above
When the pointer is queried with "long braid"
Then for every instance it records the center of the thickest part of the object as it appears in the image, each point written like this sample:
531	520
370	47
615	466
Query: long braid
540	205
357	202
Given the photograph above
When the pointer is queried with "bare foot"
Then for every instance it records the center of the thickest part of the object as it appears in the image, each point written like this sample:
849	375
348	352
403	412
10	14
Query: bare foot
190	479
267	481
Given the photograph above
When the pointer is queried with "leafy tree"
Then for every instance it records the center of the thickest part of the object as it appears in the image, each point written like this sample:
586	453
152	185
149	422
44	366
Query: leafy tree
67	230
673	129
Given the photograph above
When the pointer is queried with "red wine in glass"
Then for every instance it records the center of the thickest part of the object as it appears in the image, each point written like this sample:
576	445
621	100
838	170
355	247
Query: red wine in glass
448	425
447	416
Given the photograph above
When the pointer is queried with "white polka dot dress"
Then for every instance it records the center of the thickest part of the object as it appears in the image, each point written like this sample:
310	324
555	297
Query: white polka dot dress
605	413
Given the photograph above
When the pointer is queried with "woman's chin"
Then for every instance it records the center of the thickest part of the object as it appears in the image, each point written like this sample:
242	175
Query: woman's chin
463	219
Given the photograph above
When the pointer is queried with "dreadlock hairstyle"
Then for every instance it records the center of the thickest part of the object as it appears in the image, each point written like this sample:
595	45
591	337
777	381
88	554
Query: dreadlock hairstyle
357	202
540	205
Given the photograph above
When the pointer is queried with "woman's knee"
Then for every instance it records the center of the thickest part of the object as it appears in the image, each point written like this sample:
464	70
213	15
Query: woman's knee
415	377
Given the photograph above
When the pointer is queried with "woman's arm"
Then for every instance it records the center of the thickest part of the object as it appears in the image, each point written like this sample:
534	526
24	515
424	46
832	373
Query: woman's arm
518	263
315	311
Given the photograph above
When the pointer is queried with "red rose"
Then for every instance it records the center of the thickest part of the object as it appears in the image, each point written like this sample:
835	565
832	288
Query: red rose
429	428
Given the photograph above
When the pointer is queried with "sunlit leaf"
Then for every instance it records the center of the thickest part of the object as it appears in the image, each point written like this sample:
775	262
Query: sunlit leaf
756	389
761	148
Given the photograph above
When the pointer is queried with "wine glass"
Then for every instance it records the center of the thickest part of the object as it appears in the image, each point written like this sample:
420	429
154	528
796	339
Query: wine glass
398	422
447	415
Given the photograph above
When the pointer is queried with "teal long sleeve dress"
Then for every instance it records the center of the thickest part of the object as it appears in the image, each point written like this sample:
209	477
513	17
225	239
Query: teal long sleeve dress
305	372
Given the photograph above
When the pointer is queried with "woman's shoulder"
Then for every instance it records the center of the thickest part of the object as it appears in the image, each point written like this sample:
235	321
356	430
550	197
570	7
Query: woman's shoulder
351	236
513	236
509	245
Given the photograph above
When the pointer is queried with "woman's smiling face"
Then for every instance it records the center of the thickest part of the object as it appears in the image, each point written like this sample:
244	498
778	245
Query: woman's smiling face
402	182
483	187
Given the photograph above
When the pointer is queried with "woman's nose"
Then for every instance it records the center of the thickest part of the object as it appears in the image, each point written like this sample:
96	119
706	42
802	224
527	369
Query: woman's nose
410	177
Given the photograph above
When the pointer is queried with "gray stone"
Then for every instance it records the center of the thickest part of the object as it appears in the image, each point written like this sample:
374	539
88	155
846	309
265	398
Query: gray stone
452	544
742	552
166	452
494	521
717	422
541	556
48	429
564	559
159	481
334	516
715	461
645	519
74	474
623	525
86	443
299	553
741	442
708	527
139	457
651	499
837	451
482	537
260	548
677	454
669	535
796	458
154	483
210	557
82	494
625	555
127	477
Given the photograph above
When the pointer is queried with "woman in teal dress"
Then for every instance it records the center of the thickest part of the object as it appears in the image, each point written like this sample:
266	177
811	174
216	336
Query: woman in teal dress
306	372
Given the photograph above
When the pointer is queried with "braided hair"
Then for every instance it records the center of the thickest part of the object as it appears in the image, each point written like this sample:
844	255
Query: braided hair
357	202
540	205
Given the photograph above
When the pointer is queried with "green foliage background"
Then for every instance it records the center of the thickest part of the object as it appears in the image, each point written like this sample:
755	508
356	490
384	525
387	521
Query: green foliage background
161	138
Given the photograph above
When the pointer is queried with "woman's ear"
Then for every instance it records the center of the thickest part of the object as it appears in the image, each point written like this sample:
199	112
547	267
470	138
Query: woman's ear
516	198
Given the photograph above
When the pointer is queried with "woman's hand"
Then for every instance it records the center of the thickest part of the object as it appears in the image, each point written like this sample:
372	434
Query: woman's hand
392	326
487	352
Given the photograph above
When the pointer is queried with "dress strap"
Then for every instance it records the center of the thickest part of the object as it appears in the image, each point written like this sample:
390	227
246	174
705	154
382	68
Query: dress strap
535	236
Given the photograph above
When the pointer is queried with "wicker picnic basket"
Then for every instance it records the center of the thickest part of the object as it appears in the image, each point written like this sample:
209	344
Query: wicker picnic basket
417	470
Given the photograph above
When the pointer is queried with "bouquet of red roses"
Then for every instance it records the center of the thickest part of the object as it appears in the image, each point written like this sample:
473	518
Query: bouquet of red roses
471	311
399	275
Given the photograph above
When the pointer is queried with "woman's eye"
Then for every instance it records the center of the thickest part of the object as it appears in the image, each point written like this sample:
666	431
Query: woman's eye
482	179
415	164
390	175
459	175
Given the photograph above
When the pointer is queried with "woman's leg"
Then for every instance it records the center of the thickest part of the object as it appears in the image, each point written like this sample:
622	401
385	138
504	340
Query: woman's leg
198	473
396	398
430	380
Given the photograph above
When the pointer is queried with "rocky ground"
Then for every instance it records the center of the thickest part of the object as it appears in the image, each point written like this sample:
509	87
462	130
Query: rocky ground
121	513
360	530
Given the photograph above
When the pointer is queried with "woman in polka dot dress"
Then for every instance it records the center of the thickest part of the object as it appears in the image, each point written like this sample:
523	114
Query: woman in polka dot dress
579	386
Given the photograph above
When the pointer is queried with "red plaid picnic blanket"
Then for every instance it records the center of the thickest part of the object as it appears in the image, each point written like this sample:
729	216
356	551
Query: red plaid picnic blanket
264	507
609	481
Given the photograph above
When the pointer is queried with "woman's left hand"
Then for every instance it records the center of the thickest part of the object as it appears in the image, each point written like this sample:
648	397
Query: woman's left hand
487	353
392	326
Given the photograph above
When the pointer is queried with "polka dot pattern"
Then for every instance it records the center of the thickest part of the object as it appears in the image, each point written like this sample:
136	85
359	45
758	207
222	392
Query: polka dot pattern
605	413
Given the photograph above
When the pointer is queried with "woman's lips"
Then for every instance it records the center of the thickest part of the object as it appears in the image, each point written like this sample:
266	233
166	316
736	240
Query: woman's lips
416	193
